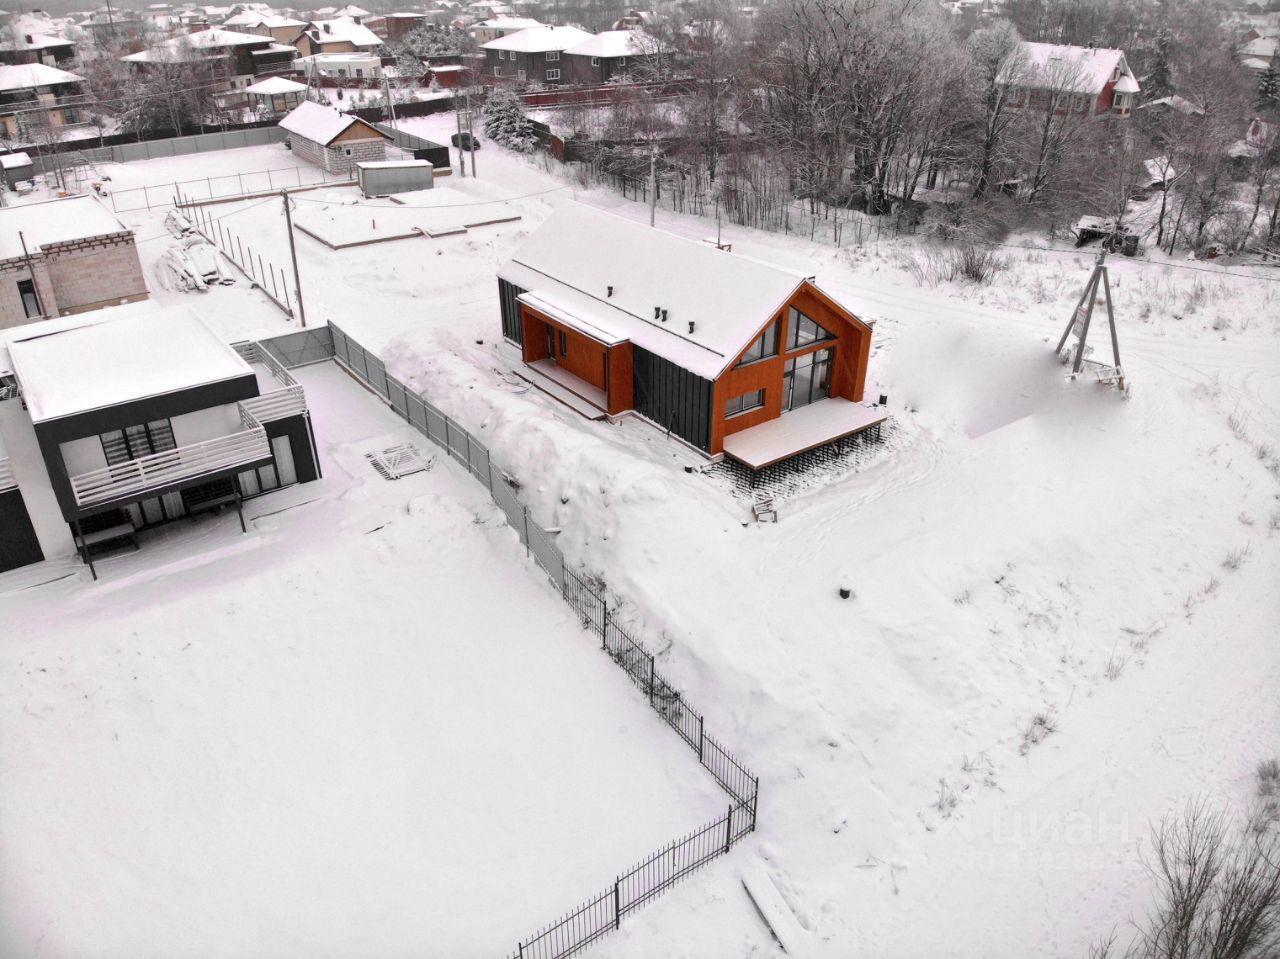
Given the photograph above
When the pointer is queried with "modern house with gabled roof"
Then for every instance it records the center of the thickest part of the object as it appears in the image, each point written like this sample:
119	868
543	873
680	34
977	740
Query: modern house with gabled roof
104	435
332	140
731	355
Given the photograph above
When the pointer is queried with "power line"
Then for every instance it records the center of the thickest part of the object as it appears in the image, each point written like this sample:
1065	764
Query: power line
1176	266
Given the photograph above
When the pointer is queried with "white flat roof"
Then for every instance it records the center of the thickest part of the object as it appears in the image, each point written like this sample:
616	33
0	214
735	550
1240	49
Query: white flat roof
53	221
392	164
105	363
803	429
11	160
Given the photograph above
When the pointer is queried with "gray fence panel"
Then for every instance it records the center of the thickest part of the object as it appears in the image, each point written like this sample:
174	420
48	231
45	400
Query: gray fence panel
437	426
341	346
456	439
546	553
417	411
355	359
184	145
302	347
504	494
377	373
479	457
396	393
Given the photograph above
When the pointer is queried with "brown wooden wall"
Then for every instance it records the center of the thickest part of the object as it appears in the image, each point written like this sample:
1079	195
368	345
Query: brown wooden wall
607	368
849	374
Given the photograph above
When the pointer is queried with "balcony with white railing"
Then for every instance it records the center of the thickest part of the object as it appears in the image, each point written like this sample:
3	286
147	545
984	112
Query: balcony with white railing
281	396
136	479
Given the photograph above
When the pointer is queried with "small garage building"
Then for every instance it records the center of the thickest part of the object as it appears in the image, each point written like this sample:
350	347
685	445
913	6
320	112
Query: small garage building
333	141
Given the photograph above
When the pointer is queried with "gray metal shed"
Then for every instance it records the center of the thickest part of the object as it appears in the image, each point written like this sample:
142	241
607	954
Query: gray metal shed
383	177
17	167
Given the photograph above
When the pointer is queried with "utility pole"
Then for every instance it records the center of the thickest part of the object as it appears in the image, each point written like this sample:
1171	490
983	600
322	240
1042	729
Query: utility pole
653	185
471	137
391	107
293	255
462	155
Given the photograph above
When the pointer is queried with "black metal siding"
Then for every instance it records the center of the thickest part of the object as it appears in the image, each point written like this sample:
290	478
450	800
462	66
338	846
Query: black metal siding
512	328
673	398
18	543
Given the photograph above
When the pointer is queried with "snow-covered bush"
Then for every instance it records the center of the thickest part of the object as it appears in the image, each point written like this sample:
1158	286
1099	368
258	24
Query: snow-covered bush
505	121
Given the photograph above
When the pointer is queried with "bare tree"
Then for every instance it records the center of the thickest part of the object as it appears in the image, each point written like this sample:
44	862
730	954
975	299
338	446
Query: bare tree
1000	72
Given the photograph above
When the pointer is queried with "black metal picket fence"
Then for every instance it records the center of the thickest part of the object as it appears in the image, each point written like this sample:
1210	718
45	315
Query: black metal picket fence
660	871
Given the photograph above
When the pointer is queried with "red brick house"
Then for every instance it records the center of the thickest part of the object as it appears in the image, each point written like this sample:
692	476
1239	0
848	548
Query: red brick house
731	355
1065	78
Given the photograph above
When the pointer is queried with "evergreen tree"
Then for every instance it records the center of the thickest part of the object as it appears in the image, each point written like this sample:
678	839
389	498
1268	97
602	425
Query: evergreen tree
1159	79
505	121
1269	88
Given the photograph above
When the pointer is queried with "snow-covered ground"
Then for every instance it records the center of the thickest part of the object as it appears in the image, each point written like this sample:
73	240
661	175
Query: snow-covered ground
1063	617
367	728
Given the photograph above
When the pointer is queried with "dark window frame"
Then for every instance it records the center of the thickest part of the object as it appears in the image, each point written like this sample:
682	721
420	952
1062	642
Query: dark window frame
767	350
794	318
822	362
34	304
737	405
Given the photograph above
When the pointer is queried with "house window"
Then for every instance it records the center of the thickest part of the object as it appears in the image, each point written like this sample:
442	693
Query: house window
595	61
622	61
502	54
766	345
520	74
497	71
553	56
553	74
359	72
807	379
564	343
30	302
804	331
134	442
743	403
346	151
1078	102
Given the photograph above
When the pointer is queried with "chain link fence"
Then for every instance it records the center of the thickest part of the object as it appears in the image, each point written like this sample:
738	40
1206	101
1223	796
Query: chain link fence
666	867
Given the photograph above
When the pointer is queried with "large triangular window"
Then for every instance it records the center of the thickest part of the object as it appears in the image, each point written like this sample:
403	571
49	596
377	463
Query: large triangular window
803	331
766	345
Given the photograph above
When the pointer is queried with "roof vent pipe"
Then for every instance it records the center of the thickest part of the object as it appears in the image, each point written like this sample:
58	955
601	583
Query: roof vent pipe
657	312
664	316
691	326
611	291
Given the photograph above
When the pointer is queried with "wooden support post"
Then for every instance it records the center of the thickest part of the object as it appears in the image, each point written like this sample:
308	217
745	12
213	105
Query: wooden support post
293	255
1088	316
1111	319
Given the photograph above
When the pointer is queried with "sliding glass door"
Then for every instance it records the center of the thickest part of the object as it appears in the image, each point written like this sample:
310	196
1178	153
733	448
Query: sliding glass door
807	379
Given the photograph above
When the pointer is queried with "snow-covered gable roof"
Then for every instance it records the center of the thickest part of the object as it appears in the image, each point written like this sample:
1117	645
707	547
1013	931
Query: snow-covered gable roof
1067	68
1265	47
617	43
510	23
568	264
340	30
106	362
320	124
271	21
26	76
539	40
35	41
202	41
275	85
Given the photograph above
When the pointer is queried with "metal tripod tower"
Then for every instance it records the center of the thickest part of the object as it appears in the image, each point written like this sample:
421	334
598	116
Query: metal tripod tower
1078	326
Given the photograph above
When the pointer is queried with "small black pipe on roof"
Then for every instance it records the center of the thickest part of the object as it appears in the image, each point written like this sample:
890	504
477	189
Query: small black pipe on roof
691	326
664	316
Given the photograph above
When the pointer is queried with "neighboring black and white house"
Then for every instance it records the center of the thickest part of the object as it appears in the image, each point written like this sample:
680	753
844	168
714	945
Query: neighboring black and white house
534	55
334	141
104	435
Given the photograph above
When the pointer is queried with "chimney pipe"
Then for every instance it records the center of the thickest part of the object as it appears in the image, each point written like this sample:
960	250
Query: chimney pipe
691	326
664	316
657	312
611	291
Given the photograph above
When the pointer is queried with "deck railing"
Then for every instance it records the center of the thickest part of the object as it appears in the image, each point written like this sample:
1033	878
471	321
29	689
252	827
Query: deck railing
137	477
